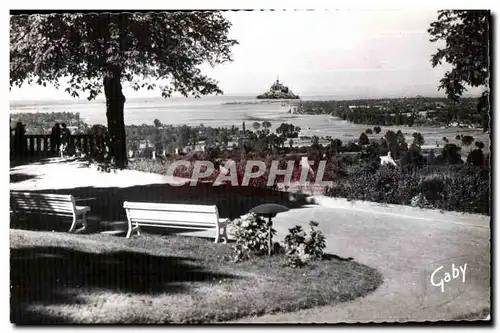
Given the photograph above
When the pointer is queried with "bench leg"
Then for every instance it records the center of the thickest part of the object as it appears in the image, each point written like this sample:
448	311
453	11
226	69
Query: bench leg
84	223
138	230
73	225
224	234
129	232
218	234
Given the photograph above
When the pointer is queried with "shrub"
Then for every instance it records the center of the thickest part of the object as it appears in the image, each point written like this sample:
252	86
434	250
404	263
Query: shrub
400	136
148	165
336	144
363	139
391	137
412	158
476	157
433	187
455	187
377	129
449	155
445	139
468	190
352	148
458	137
370	159
387	185
479	144
369	131
302	247
431	158
419	201
418	138
147	153
383	143
467	140
252	236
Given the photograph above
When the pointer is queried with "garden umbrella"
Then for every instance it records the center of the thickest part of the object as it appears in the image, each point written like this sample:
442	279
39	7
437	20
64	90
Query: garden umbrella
269	211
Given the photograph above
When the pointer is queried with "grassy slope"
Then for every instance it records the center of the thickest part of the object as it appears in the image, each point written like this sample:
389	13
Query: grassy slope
58	277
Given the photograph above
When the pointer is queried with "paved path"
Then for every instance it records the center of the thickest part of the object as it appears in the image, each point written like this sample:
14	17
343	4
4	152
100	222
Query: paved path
57	173
405	244
405	250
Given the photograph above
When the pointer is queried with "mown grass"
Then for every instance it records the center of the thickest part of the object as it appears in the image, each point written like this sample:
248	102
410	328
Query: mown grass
64	278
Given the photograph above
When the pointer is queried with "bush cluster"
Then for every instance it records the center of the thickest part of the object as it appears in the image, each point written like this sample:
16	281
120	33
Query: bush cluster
455	188
161	166
252	237
301	247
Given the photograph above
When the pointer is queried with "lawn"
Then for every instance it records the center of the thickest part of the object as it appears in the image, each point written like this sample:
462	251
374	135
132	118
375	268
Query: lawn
63	278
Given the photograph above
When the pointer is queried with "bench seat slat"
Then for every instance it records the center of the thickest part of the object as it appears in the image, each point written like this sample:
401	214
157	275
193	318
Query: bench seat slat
172	221
49	204
175	225
64	197
173	216
170	207
45	213
41	201
44	208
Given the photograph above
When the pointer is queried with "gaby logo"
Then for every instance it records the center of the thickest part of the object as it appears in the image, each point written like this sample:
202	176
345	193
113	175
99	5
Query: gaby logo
447	279
253	169
456	273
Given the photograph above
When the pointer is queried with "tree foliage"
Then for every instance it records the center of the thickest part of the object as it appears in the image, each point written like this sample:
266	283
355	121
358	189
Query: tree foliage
467	140
95	50
147	46
363	139
288	131
466	34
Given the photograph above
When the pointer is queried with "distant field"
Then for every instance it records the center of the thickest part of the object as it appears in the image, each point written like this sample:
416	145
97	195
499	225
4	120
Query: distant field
432	136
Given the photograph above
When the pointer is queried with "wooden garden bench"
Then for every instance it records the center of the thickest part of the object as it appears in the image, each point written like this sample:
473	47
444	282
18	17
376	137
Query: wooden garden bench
180	216
50	204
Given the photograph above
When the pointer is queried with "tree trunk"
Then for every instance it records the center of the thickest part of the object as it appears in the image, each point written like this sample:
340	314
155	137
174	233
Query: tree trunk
115	101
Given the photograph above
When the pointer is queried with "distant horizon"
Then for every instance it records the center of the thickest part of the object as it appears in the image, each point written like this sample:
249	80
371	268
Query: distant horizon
239	95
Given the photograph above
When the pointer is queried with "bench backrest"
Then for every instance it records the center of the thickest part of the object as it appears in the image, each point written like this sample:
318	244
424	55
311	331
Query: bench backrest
179	214
43	203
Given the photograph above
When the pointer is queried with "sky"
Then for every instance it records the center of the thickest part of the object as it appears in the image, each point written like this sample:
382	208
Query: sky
340	53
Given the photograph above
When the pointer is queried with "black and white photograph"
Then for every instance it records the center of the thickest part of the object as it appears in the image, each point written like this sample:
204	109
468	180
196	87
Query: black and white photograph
267	166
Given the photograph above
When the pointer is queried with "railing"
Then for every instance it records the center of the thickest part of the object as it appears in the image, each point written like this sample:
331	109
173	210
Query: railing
40	145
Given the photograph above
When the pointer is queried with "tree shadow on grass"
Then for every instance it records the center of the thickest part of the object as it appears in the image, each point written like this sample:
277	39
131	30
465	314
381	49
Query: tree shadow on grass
46	275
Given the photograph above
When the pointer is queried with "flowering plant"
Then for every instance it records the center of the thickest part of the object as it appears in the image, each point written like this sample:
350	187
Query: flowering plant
252	236
302	247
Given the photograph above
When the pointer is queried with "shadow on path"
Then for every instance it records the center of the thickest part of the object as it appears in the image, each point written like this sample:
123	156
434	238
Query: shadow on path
231	201
20	177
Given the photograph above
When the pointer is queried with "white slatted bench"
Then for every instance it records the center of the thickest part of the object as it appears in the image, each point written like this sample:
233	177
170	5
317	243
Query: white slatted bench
180	216
50	204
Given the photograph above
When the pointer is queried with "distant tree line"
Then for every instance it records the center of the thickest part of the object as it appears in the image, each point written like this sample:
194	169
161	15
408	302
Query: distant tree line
42	123
404	111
